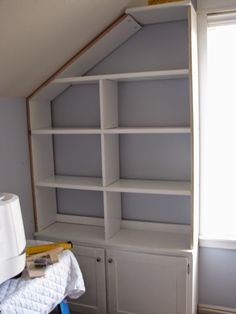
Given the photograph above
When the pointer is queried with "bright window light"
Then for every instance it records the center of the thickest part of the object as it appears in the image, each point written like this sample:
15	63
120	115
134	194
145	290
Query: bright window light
218	135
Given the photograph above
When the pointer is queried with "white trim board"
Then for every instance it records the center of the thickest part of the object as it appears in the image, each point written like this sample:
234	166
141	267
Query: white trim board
215	6
211	309
103	47
160	13
217	243
110	41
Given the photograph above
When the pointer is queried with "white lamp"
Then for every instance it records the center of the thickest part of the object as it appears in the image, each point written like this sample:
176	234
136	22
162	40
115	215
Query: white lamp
12	237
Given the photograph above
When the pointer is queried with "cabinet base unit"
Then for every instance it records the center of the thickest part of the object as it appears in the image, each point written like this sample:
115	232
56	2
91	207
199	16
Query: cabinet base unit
114	159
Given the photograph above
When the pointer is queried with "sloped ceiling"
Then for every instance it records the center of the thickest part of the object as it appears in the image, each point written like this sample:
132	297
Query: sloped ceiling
38	36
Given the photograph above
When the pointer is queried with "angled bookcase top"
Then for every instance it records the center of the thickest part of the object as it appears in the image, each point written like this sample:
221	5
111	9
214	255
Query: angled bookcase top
166	12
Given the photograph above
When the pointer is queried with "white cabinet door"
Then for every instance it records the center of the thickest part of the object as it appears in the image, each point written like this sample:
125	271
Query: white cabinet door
92	264
146	284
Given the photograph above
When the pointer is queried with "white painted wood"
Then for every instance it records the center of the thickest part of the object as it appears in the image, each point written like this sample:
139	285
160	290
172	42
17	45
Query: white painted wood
103	47
110	158
112	213
81	220
194	122
92	264
49	131
161	281
73	232
220	243
108	104
160	13
143	283
49	92
148	130
113	130
46	207
72	182
216	6
123	77
153	226
212	309
42	157
40	114
194	110
151	240
129	239
151	186
224	18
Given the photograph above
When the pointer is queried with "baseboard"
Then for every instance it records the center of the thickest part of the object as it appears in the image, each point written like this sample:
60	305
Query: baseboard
211	309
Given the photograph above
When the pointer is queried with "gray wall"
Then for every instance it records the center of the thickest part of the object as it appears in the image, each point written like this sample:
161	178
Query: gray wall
217	277
14	157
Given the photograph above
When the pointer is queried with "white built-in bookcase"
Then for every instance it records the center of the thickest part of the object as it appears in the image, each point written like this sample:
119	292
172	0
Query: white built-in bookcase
113	151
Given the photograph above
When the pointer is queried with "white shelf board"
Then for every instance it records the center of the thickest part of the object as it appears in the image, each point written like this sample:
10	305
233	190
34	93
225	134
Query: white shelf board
151	240
120	77
148	130
72	182
67	130
151	187
50	92
99	49
160	13
92	54
139	240
72	232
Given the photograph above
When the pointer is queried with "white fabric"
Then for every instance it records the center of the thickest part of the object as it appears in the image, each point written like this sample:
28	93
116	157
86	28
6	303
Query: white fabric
41	295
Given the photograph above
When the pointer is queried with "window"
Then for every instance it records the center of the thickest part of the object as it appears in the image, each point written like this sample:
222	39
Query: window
218	131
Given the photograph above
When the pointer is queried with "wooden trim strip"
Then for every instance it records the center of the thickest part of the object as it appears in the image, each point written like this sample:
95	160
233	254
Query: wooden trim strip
211	309
31	165
78	54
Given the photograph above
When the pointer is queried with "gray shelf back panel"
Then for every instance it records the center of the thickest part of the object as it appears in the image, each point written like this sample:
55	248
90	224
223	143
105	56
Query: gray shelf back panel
155	157
155	47
78	202
78	155
78	106
154	103
156	208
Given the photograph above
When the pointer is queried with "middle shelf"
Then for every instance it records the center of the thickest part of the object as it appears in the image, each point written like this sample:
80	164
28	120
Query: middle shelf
122	185
124	130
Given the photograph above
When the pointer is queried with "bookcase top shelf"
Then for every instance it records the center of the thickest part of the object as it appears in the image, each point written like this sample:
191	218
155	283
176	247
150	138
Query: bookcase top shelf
123	77
57	86
160	13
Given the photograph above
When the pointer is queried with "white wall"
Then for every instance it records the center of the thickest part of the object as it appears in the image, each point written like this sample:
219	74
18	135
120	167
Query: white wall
14	157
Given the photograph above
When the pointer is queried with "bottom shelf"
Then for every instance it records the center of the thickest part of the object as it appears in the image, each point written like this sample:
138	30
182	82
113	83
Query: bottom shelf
132	239
151	240
60	231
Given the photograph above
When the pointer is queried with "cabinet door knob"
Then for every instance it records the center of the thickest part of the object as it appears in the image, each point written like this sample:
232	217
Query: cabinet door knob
110	260
98	259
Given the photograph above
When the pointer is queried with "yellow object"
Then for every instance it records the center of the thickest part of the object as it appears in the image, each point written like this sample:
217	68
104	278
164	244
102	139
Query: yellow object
30	250
150	2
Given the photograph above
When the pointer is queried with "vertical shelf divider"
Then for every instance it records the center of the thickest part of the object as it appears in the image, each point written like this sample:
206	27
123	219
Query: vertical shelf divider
112	214
109	119
108	103
110	155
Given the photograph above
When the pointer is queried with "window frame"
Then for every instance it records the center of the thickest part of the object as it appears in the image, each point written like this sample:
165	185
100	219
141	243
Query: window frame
205	9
